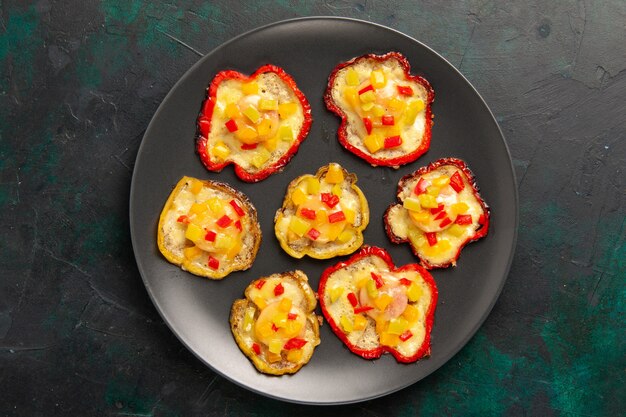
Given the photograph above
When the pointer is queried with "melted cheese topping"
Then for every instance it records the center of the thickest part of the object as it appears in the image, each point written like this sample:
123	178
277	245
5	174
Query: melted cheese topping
409	121
413	221
378	328
266	132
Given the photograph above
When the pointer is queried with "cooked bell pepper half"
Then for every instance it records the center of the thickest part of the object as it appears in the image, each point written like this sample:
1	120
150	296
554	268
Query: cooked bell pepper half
277	330
397	318
439	211
208	228
255	122
322	215
385	111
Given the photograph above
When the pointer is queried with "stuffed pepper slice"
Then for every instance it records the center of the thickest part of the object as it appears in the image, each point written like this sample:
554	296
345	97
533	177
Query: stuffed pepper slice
374	307
385	111
440	210
256	123
322	215
275	326
208	228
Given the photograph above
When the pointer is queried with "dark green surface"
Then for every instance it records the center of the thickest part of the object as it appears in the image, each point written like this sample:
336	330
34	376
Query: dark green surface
79	83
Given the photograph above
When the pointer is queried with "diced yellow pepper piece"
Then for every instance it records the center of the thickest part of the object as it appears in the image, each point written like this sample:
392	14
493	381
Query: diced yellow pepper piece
414	292
276	346
312	185
248	319
397	325
194	233
360	322
372	291
443	245
265	127
250	88
352	77
285	133
287	109
247	134
411	203
293	327
396	105
413	109
381	324
419	216
252	114
232	111
332	231
285	304
373	142
346	324
388	339
367	106
294	355
459	208
350	215
234	249
337	190
411	313
433	190
299	226
261	303
383	301
195	186
334	175
298	196
273	357
345	236
196	208
378	110
351	96
271	144
417	238
268	104
378	79
192	252
441	181
221	150
456	230
280	320
367	97
362	282
427	201
223	242
261	157
216	205
321	216
335	293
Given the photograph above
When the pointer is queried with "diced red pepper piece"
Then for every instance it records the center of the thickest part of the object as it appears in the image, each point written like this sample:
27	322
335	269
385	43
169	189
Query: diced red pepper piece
294	343
352	298
405	282
481	219
456	182
362	309
279	289
260	283
292	316
464	219
368	124
405	90
337	216
231	125
274	327
441	215
437	209
432	238
392	142
388	120
183	219
210	236
406	336
331	200
445	222
213	263
308	213
256	348
420	187
369	87
204	125
238	225
224	221
248	146
313	233
237	208
378	280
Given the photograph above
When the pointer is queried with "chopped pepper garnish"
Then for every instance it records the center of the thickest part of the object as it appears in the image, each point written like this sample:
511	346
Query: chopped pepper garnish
224	221
387	120
279	289
456	182
352	299
338	216
210	236
231	125
405	90
329	199
362	309
432	238
294	343
237	208
464	219
183	219
393	142
378	280
313	233
260	283
256	348
368	125
213	263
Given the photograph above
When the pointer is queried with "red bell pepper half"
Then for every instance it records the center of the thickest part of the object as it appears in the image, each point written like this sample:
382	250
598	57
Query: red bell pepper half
406	91
206	115
372	251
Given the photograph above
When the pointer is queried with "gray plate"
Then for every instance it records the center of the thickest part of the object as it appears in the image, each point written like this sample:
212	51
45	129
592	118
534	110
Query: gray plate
197	309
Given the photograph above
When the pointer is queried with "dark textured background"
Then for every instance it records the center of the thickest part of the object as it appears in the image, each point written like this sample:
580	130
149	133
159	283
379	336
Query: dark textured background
79	82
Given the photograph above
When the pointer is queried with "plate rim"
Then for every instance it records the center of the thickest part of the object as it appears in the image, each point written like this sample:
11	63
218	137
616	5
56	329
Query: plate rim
155	301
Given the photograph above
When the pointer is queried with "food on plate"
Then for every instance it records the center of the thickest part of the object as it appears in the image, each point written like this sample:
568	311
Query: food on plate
255	122
385	111
208	228
440	210
275	325
322	215
375	307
